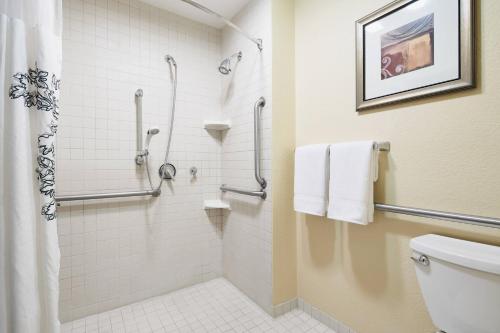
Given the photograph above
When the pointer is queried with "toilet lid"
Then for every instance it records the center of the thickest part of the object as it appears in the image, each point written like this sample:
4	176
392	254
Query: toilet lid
473	255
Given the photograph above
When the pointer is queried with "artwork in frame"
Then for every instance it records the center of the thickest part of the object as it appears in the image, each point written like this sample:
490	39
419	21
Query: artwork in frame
414	48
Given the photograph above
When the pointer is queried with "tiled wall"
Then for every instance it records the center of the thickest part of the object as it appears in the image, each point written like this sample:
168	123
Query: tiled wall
247	229
115	252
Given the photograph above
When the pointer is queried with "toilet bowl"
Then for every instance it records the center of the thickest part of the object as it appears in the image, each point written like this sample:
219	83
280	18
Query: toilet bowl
460	283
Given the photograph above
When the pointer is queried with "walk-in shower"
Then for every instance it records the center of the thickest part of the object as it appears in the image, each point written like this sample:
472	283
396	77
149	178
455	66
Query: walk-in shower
225	66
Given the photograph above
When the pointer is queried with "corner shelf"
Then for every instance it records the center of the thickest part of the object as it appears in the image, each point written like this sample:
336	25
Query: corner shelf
216	204
217	125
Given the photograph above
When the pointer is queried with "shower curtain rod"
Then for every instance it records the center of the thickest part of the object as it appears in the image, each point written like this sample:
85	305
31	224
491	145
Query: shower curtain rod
257	41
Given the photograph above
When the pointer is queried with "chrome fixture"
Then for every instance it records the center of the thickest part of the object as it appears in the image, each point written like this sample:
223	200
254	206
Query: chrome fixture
421	260
259	105
257	41
434	214
77	197
382	146
257	110
141	155
152	131
193	171
167	171
139	159
261	194
225	65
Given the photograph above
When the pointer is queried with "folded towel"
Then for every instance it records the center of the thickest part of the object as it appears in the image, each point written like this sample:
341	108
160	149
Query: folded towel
353	170
311	179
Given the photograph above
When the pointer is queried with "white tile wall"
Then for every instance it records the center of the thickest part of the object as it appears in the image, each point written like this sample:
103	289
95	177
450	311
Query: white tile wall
247	230
115	252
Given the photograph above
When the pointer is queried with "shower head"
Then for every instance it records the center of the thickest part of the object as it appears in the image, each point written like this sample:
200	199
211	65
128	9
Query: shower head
151	132
225	65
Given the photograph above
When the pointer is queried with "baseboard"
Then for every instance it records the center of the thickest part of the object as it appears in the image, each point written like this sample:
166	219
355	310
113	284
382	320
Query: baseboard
323	317
281	309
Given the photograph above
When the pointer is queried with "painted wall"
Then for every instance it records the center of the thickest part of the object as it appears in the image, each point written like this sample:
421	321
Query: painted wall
444	156
284	231
247	229
115	252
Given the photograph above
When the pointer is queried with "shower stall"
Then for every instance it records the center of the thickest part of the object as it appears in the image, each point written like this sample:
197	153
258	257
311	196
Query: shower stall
146	145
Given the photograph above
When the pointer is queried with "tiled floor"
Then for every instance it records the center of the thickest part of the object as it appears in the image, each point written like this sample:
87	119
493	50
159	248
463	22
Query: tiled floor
214	306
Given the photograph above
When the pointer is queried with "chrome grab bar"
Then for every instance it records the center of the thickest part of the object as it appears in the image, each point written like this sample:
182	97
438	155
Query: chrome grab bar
262	194
434	214
77	197
257	110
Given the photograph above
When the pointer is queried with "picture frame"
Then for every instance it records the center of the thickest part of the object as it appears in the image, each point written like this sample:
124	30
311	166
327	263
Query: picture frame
412	49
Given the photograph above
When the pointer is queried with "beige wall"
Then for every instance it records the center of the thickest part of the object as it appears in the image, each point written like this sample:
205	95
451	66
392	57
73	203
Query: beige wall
284	234
445	156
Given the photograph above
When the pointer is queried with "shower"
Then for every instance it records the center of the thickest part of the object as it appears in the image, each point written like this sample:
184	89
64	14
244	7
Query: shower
225	65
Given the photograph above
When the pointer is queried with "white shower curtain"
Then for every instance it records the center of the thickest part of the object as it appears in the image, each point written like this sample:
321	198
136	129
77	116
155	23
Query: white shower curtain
30	65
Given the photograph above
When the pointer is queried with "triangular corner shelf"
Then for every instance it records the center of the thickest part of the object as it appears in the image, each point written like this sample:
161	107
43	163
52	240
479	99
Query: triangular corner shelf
217	125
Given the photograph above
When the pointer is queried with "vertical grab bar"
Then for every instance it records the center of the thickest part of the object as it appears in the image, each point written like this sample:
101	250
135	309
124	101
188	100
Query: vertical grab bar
256	140
138	103
261	102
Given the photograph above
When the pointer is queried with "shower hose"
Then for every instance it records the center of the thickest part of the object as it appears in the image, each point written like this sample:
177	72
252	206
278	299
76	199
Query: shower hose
173	80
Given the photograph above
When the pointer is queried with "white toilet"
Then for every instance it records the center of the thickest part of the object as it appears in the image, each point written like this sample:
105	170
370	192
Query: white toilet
460	282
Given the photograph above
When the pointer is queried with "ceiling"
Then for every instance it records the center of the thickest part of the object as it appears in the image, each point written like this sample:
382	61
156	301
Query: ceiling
226	8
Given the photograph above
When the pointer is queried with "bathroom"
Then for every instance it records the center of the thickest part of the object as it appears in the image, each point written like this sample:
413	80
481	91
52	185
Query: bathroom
159	158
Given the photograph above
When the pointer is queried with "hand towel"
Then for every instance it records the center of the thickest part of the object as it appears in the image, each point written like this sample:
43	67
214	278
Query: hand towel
353	170
311	179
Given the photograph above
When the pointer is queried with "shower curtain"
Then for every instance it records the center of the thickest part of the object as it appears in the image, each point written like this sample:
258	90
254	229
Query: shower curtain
30	65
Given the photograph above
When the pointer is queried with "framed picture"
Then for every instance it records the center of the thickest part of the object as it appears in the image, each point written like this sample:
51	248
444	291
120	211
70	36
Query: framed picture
414	48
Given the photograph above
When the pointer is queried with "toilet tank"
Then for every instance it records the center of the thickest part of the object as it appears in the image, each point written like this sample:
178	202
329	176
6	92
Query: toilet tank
460	283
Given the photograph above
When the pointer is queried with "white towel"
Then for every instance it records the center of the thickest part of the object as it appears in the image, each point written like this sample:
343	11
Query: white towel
311	179
353	170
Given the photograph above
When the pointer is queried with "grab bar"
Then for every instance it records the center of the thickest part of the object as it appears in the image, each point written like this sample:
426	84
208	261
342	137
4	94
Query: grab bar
257	110
261	194
77	197
434	214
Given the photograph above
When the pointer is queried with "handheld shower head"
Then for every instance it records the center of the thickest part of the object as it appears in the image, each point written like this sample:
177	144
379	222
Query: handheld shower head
225	65
151	132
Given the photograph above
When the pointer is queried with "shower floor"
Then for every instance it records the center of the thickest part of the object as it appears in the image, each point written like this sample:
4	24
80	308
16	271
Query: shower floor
214	306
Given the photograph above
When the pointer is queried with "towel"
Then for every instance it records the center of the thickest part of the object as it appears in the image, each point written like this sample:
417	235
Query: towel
311	179
353	170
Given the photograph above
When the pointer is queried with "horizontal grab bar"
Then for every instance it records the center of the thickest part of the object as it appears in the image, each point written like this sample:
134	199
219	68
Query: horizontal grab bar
78	197
262	194
434	214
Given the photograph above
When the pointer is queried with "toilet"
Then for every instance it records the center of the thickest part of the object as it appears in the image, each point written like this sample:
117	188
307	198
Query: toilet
460	283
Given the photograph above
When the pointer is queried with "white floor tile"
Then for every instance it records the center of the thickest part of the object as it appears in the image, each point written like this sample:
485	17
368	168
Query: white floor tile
214	306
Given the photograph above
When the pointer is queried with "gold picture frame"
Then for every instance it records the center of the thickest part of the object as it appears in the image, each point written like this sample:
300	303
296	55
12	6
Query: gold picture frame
465	72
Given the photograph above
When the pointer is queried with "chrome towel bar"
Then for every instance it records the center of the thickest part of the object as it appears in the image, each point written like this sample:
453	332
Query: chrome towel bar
434	214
